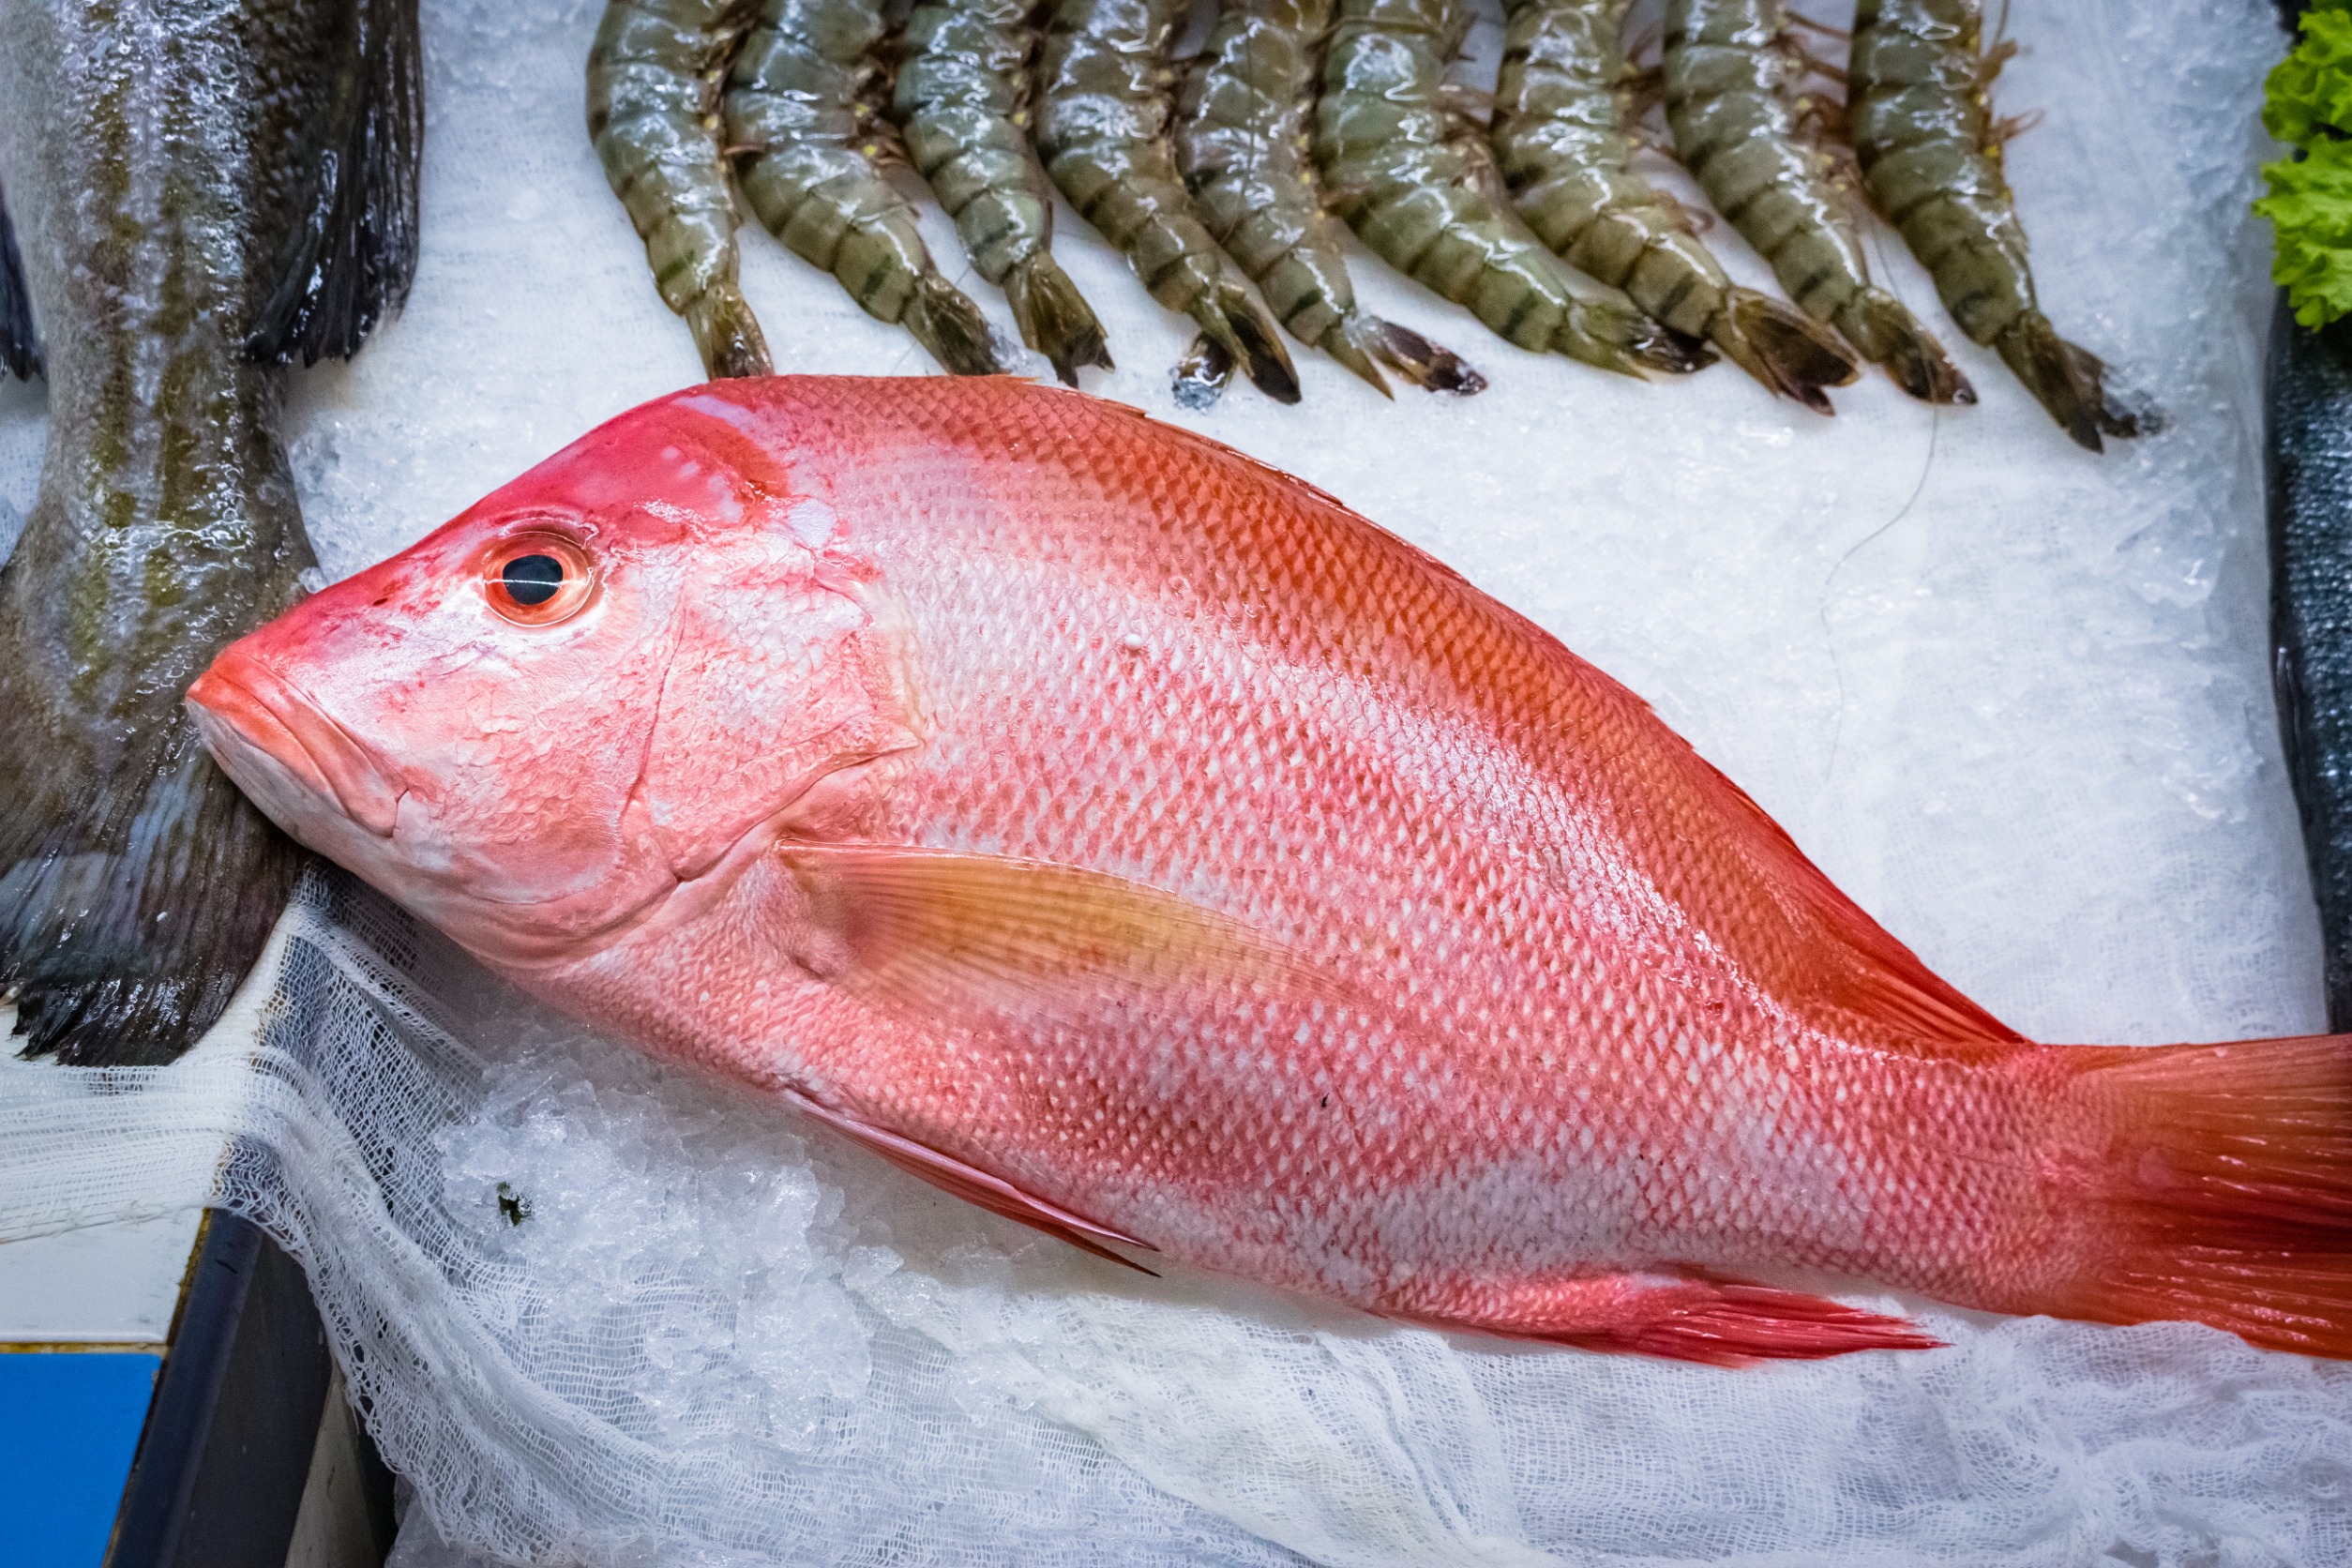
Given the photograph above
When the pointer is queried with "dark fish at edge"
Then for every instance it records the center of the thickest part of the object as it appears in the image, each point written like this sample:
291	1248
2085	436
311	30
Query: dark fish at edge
199	197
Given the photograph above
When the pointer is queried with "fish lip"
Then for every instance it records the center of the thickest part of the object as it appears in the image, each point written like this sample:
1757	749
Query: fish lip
269	714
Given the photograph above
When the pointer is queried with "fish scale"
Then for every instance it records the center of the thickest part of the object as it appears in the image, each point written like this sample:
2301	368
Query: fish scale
1130	839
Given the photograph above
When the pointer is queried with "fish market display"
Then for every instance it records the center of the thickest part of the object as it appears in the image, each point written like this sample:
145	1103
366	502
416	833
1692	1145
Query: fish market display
798	116
1916	92
1104	85
1561	138
653	100
962	102
1240	142
1730	74
1135	841
1421	191
200	195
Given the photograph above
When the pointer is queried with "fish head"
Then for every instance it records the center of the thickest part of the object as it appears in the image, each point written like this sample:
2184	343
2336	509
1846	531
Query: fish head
533	726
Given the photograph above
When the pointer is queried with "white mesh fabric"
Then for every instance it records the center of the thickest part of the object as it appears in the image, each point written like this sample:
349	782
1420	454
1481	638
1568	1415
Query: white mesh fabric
2012	696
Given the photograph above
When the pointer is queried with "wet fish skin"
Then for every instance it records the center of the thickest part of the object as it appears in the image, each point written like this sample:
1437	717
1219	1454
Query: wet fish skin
201	193
1131	839
2310	489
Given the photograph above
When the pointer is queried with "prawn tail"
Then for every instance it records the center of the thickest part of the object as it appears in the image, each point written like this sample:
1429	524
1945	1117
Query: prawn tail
727	333
1784	348
1231	319
2216	1186
1200	377
1615	337
1885	333
1413	358
1054	318
2070	382
945	321
1349	341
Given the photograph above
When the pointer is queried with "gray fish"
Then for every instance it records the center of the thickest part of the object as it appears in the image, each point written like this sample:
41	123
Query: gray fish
201	194
2311	613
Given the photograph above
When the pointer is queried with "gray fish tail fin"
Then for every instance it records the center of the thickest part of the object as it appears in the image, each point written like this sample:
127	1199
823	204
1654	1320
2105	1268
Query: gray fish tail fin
726	332
352	252
1781	347
20	350
945	320
1054	318
2070	382
1885	333
1414	358
131	907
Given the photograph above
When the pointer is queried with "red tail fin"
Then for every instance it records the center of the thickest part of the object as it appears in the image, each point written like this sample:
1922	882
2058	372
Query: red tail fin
2226	1195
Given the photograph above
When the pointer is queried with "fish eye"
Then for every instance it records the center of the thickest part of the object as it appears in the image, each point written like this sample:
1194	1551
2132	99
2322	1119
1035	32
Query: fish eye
537	580
532	579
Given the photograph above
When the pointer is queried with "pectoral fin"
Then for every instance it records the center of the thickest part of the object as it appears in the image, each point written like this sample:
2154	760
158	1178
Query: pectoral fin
974	1185
948	933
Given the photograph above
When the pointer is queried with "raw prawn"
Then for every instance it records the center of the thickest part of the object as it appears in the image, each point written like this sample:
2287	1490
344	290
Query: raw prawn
1926	138
1241	142
653	76
797	120
962	103
1561	136
1424	193
1104	90
1728	71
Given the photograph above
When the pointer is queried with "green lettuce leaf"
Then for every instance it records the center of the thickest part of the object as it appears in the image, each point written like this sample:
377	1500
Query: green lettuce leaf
2308	103
2310	205
2309	93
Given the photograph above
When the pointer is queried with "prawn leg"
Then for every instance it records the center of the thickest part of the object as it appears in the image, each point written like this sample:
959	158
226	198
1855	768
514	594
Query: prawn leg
1104	86
1929	150
1424	193
1240	142
962	103
1561	137
1739	129
797	129
654	77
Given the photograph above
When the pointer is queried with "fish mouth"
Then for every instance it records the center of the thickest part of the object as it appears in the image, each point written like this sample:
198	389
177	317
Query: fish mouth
247	712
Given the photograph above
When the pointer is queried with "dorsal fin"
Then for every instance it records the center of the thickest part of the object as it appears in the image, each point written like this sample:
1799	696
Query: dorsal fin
1878	978
352	260
20	350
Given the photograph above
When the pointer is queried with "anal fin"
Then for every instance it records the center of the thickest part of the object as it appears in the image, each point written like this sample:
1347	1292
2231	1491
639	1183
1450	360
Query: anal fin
1715	1322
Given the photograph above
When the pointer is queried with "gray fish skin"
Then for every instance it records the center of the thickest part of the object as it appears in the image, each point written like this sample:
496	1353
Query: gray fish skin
199	192
2310	396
